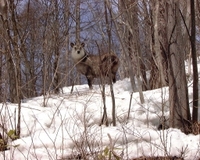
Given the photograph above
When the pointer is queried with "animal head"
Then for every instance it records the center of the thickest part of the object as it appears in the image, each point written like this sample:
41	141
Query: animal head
77	50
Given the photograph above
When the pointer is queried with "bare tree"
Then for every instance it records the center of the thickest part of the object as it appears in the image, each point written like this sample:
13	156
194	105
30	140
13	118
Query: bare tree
147	35
77	20
108	19
66	76
168	40
194	63
159	19
28	21
136	65
179	105
13	42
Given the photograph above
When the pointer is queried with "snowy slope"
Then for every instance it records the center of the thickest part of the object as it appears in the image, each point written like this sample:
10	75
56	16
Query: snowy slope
68	125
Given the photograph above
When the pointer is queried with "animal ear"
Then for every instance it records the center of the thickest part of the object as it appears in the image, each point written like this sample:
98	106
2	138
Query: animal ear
72	45
83	44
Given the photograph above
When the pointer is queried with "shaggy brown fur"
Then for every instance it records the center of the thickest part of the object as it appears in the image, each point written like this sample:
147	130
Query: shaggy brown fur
94	66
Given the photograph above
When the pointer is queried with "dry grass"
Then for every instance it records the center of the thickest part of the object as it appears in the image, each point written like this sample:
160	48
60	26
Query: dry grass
158	158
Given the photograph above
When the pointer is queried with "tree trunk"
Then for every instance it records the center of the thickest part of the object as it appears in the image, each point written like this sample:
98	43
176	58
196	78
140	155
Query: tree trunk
108	29
56	75
159	41
78	29
194	64
178	92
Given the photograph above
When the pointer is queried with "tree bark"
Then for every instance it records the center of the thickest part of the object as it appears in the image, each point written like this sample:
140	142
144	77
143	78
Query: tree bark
108	11
78	29
194	64
56	75
178	92
159	44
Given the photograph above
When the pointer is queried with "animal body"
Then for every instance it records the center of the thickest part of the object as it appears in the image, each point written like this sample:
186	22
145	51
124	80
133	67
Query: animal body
94	66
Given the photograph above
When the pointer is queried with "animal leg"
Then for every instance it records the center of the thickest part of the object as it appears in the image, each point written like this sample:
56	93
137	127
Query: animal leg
89	76
90	82
113	77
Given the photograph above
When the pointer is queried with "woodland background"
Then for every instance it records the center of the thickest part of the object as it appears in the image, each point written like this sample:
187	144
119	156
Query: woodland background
152	38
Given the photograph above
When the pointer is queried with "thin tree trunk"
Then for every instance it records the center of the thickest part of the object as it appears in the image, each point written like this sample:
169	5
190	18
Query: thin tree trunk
14	59
109	26
56	75
78	29
194	64
158	39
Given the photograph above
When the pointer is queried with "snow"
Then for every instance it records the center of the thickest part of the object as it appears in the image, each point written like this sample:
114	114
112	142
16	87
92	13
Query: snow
65	125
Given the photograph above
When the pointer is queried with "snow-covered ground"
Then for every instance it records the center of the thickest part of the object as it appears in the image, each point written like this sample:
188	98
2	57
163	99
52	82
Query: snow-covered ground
67	125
